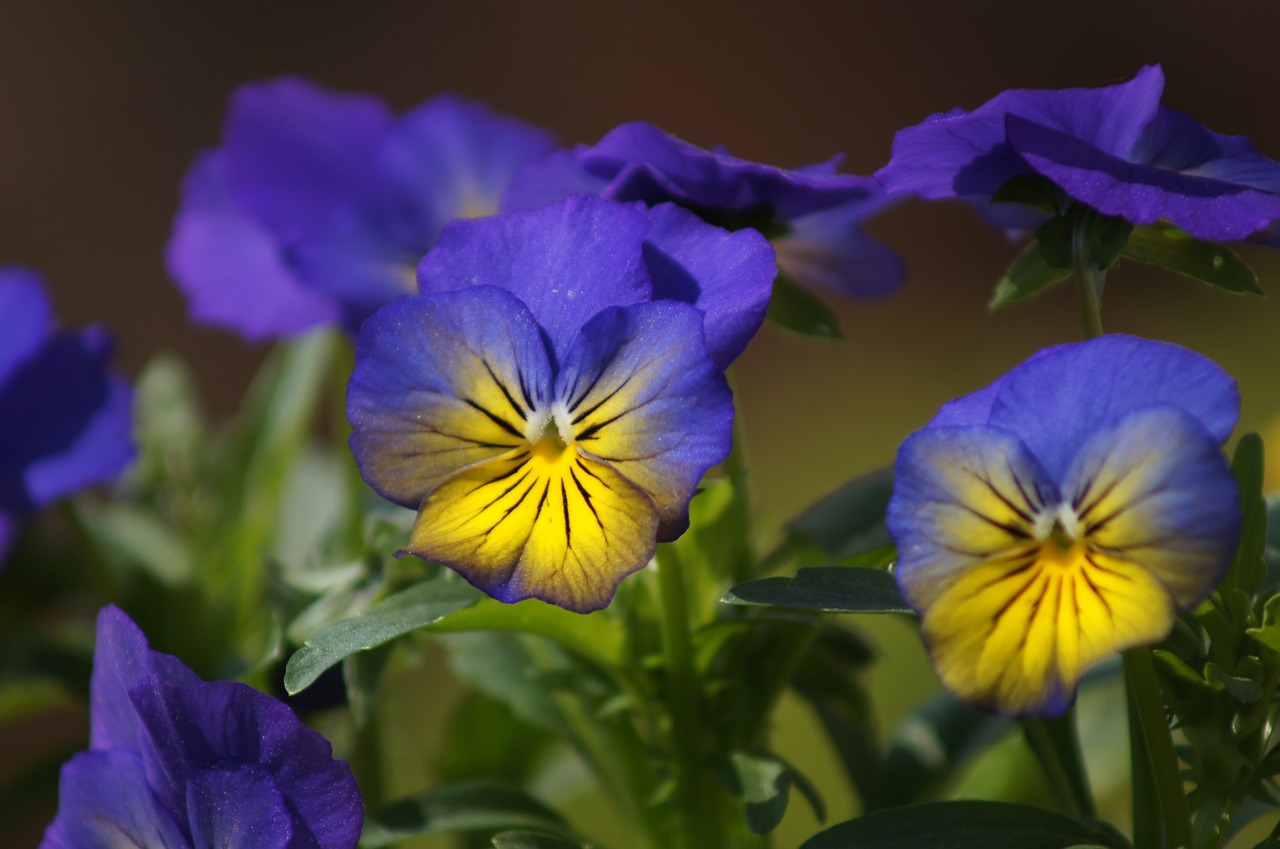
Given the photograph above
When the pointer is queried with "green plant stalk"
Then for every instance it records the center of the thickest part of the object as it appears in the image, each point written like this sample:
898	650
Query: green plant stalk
1148	705
1146	812
697	830
1063	767
1089	278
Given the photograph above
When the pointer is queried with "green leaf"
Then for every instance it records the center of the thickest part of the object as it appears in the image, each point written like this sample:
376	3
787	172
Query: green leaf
848	520
139	539
963	825
1242	690
594	636
796	308
414	608
1249	569
501	666
1168	247
1031	190
764	782
533	840
1110	235
1028	275
1054	239
829	589
482	806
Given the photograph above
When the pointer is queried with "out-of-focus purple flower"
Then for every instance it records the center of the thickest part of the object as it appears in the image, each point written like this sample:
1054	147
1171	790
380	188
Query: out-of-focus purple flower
66	418
179	763
813	215
1115	149
318	206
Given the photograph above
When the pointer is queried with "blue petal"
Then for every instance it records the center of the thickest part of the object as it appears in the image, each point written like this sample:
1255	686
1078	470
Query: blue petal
294	150
222	724
104	802
75	426
27	317
829	250
1177	142
643	396
239	808
121	661
964	154
233	270
1205	207
549	179
1056	401
566	261
729	276
443	381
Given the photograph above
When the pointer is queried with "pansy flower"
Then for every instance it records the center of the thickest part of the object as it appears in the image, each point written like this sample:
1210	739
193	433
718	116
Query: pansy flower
1115	149
318	206
1065	512
179	763
813	215
550	400
67	418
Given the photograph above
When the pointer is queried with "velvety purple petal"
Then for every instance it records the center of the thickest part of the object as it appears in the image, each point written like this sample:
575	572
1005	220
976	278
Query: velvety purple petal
549	179
1057	400
1205	207
964	154
644	397
650	165
104	802
8	533
219	724
239	806
293	150
122	660
26	317
233	270
729	276
74	430
566	261
829	250
1177	142
443	381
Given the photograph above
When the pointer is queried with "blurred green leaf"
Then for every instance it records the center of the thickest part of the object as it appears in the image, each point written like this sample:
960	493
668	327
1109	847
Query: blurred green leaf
595	636
1027	275
138	538
482	806
1249	569
796	308
963	825
1168	247
829	589
408	610
1054	239
502	667
1031	190
487	740
848	520
764	782
533	840
1241	689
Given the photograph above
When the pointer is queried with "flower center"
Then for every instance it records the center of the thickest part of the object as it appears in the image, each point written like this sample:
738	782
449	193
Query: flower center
1061	542
550	432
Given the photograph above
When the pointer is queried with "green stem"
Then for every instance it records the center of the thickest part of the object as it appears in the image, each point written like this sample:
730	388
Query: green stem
1146	812
1148	704
697	829
1089	278
1057	747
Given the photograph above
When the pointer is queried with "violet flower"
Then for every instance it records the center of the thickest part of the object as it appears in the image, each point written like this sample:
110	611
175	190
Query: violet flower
178	763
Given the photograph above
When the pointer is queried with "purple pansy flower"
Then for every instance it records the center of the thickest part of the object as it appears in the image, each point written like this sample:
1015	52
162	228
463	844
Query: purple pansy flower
318	206
551	399
1068	511
1115	149
179	763
67	418
813	215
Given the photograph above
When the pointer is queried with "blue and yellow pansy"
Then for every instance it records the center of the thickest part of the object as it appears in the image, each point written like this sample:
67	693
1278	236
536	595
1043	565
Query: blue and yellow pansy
551	399
1065	512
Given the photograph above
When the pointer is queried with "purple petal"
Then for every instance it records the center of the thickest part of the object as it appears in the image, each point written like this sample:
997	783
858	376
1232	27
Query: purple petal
1177	142
238	807
566	261
830	251
75	426
1057	400
443	381
8	533
231	267
729	276
550	179
27	317
1205	207
104	802
293	150
964	154
122	660
647	400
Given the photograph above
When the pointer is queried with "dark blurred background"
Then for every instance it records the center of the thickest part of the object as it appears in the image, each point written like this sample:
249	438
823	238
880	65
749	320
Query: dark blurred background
104	105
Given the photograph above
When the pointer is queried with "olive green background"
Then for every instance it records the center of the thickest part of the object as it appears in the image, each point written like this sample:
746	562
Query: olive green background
103	105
